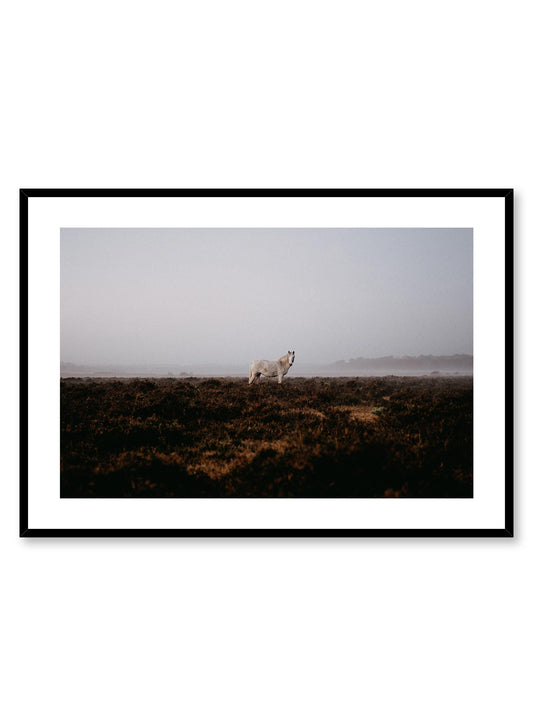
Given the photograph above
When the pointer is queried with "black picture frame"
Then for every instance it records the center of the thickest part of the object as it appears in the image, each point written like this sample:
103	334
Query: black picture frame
506	531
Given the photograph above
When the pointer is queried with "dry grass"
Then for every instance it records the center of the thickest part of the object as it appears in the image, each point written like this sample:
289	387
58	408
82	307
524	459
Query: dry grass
344	437
361	412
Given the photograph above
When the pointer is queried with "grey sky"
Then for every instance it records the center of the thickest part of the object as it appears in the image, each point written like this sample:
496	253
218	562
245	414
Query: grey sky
209	296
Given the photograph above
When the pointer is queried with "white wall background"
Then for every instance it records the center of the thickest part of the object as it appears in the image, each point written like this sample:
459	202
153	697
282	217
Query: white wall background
294	94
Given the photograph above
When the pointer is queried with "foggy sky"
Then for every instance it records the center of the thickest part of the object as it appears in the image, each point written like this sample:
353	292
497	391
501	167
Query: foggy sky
226	296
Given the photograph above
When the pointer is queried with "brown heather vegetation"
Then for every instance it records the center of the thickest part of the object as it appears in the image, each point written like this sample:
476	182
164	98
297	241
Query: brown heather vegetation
310	437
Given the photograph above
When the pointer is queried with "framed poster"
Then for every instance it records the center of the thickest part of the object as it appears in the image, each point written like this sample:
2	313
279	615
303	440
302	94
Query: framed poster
258	362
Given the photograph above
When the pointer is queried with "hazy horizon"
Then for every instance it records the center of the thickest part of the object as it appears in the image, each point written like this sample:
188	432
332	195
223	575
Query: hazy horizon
220	297
173	365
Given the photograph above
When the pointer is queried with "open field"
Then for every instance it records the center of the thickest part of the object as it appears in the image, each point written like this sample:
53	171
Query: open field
310	437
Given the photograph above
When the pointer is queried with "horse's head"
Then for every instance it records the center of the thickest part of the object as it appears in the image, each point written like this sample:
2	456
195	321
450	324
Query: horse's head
291	357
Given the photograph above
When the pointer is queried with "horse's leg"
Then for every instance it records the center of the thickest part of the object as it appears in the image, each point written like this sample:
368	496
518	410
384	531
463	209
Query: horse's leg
254	375
280	377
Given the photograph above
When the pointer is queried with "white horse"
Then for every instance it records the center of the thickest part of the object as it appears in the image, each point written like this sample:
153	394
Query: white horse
271	368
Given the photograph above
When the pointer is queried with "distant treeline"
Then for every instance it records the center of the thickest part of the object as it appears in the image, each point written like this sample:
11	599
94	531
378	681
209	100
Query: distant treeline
458	362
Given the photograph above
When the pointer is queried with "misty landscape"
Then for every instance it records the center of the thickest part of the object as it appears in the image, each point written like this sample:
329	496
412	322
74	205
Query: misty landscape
385	366
158	328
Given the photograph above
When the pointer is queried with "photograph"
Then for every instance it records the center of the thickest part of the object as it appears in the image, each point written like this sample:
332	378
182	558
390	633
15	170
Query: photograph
266	362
